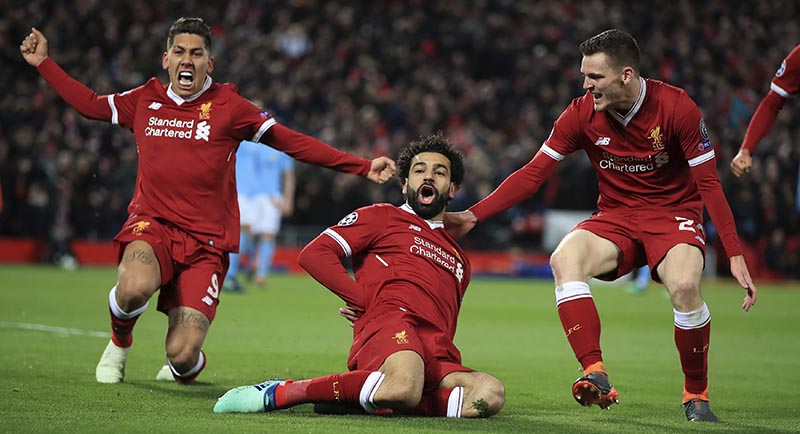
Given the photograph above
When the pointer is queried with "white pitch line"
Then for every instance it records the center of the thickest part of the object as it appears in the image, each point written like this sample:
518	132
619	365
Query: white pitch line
54	329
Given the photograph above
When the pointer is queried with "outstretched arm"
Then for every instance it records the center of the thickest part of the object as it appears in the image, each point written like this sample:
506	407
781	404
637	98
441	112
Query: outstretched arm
519	186
75	93
312	151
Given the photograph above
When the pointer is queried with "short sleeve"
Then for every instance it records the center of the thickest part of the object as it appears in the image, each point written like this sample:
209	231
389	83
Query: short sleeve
565	136
359	230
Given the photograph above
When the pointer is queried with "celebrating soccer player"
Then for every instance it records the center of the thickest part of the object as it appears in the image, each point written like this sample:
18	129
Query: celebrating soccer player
785	84
183	217
655	168
410	278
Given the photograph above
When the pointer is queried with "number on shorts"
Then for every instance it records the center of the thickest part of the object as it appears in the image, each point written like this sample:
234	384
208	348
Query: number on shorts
685	224
213	290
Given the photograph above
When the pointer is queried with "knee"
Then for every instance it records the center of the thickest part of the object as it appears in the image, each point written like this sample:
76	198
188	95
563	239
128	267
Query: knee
558	262
685	285
183	357
685	293
133	291
490	398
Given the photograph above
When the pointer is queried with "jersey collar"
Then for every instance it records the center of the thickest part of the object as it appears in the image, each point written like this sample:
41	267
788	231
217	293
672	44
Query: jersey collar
625	120
180	100
431	224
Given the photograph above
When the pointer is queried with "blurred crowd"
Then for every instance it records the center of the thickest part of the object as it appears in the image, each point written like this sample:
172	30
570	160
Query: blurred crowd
369	76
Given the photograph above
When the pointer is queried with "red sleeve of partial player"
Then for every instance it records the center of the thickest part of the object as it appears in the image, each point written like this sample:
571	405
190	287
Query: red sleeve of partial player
75	93
312	151
762	120
322	259
705	175
519	186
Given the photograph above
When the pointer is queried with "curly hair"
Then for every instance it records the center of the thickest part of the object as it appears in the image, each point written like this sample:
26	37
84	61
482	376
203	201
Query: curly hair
432	143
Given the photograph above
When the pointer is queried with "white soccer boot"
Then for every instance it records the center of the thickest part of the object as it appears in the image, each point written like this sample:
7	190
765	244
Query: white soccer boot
165	374
111	368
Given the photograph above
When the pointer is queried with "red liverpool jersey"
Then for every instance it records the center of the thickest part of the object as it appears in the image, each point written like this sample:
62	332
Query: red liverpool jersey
187	149
787	79
656	156
187	155
403	260
643	158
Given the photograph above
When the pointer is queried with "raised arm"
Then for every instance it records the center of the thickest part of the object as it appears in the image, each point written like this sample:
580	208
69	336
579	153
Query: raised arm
76	94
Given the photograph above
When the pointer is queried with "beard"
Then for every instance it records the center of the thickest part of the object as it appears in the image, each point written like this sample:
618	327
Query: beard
426	211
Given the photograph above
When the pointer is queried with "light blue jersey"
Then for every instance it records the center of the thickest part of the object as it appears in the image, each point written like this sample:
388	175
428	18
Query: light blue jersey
259	169
259	178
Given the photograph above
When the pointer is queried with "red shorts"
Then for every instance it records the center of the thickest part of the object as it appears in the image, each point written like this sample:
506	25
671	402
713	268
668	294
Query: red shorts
382	333
191	272
645	236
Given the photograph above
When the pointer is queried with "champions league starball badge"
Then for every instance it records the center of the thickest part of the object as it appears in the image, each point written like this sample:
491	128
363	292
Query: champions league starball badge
349	219
782	69
703	129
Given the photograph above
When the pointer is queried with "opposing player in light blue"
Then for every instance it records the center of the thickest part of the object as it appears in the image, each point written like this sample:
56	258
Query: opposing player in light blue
640	280
265	181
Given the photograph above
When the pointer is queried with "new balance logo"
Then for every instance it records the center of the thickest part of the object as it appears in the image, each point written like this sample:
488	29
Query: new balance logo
154	106
603	141
203	131
415	228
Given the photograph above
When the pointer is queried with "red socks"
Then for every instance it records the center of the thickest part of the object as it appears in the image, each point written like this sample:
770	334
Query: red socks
692	336
342	388
693	349
122	330
581	324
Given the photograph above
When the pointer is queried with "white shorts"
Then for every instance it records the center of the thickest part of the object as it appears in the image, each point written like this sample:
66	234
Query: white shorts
262	213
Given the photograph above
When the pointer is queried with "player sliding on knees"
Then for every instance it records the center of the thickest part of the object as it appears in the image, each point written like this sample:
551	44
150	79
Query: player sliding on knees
410	278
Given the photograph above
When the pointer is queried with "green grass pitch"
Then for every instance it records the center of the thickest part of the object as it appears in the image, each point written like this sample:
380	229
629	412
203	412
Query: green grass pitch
54	325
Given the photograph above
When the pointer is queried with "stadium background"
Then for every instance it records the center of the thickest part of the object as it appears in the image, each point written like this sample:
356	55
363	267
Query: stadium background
370	76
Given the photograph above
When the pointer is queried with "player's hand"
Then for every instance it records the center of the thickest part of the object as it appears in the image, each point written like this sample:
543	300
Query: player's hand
457	224
382	170
349	314
742	162
740	273
34	47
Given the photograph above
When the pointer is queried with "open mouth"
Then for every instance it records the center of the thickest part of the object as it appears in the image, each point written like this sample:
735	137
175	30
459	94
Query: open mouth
426	194
185	79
